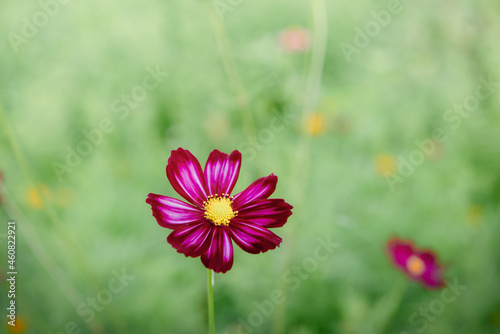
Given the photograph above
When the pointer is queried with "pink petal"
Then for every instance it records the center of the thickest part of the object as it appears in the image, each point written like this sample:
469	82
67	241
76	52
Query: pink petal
433	274
266	212
253	238
192	239
219	256
186	176
399	252
221	172
172	213
260	189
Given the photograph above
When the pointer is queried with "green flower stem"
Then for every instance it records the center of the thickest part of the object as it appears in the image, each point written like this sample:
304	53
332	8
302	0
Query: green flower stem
312	96
385	309
210	285
320	36
231	69
300	174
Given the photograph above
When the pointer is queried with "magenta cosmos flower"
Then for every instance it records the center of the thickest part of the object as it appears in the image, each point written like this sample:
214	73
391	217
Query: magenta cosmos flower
207	225
419	265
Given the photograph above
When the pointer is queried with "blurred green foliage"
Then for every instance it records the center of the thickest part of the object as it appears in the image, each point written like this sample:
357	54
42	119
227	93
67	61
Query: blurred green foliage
77	230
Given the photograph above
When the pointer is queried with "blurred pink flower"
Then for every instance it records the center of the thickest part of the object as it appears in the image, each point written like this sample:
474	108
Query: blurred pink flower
213	219
295	40
419	265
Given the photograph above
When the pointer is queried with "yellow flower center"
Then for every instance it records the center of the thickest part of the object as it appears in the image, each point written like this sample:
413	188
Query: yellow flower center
415	265
219	210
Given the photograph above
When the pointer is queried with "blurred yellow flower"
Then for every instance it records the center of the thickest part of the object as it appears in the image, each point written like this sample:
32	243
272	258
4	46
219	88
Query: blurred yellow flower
474	214
34	198
385	164
316	124
19	326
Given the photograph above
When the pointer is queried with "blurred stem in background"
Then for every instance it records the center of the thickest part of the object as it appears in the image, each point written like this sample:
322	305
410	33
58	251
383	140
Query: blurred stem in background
210	287
231	69
300	174
54	219
385	309
43	257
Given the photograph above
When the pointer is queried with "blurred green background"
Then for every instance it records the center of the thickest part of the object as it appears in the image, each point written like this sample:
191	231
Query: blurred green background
342	144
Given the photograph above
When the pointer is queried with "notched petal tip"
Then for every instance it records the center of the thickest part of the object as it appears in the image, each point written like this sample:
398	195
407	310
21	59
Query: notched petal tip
222	171
186	176
179	150
260	189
